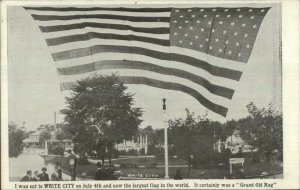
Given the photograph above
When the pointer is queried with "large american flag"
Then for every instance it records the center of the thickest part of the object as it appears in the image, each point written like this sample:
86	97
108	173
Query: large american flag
198	51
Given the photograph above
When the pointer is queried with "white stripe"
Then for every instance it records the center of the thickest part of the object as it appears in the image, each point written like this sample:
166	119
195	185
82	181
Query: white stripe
171	64
229	64
216	61
103	30
111	21
122	13
152	75
86	44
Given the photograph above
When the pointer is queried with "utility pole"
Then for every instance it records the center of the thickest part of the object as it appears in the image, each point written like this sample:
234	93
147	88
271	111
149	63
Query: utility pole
165	120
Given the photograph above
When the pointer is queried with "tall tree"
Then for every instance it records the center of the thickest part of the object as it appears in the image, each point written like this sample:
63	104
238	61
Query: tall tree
47	127
60	135
192	136
44	135
100	113
16	137
262	129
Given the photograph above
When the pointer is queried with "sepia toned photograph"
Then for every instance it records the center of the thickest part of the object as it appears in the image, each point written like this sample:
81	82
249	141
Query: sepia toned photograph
144	92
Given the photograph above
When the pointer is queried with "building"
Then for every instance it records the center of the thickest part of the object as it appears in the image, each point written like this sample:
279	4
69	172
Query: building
138	142
233	142
33	140
67	143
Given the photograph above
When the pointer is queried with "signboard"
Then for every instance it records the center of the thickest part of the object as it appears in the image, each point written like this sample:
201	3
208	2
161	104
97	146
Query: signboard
236	160
72	160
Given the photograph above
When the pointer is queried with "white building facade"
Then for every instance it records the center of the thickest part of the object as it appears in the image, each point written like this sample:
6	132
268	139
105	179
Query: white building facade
139	142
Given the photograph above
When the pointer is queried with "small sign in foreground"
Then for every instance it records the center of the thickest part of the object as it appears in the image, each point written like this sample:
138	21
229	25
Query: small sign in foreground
236	161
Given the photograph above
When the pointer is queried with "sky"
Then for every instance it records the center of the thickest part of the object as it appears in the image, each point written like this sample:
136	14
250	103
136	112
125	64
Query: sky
34	92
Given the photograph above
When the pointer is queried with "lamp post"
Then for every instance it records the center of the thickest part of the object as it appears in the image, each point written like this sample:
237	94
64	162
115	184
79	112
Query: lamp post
73	164
165	120
190	159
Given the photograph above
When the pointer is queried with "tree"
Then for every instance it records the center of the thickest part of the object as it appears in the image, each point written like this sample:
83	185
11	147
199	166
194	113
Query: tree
63	131
45	135
262	129
155	139
150	134
148	129
16	137
27	133
47	127
158	137
60	135
192	136
100	114
228	129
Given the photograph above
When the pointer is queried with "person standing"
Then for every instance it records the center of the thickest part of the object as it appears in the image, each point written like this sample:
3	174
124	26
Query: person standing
178	175
59	172
105	172
99	172
36	176
73	163
111	170
240	174
44	176
54	175
27	177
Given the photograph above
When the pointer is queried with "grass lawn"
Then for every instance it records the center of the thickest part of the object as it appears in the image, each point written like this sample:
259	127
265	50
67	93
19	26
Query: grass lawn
250	169
81	170
148	160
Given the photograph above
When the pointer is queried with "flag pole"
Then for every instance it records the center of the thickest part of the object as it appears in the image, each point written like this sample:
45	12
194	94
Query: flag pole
166	139
55	121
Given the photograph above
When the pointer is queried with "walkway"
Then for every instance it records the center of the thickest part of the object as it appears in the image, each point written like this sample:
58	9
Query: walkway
31	160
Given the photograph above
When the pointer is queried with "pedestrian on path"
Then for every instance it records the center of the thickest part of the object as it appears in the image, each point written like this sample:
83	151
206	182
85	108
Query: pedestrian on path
44	176
27	177
178	175
54	175
99	172
59	172
36	176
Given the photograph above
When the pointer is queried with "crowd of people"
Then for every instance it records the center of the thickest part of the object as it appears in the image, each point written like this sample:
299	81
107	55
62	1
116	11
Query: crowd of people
44	176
